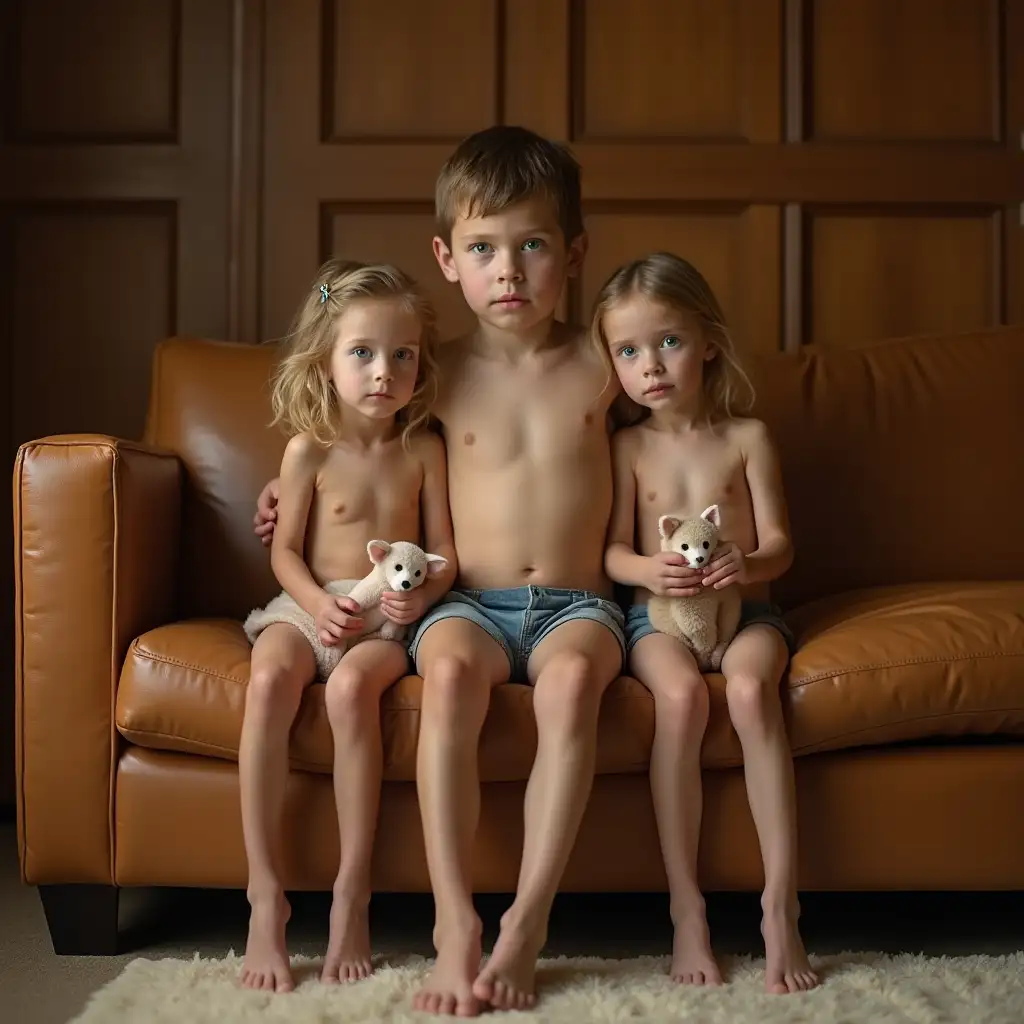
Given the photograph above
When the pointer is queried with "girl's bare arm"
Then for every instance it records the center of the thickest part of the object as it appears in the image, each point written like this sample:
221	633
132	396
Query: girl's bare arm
302	459
621	562
438	536
774	552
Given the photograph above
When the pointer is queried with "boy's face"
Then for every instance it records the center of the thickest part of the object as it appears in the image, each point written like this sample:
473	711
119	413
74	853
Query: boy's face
512	265
376	356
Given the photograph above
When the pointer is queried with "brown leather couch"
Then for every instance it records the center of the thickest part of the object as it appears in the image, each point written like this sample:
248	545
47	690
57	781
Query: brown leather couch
905	701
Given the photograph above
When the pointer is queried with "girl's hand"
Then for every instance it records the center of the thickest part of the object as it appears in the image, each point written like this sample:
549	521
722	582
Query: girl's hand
728	566
337	619
668	575
403	609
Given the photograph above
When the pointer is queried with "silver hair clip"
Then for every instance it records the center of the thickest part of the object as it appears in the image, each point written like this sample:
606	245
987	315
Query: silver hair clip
325	293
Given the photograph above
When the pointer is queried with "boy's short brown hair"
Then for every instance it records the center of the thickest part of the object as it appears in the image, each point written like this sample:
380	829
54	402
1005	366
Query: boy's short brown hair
504	165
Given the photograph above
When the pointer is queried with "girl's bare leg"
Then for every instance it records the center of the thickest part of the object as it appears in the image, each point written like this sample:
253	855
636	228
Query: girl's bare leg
669	671
282	667
353	709
753	667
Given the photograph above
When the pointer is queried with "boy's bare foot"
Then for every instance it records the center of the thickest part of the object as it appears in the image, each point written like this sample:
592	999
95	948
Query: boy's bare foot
266	956
348	949
507	979
449	989
693	963
788	969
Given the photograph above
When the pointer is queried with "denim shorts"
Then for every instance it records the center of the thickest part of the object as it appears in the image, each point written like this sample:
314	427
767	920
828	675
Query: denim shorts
752	613
519	618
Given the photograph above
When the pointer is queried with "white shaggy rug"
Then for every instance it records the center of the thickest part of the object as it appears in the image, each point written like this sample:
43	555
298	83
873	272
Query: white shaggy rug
869	987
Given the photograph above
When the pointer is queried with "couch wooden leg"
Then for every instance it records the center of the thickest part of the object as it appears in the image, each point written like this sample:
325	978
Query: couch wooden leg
82	918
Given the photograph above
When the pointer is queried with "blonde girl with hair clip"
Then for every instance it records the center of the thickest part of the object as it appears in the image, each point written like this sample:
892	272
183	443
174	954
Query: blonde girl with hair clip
354	391
661	331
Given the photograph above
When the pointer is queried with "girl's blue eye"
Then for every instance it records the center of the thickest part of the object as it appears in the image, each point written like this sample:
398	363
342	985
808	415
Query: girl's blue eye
480	248
671	341
532	245
361	352
628	351
404	353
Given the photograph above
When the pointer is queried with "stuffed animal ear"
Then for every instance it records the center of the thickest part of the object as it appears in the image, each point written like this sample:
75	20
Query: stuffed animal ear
667	525
436	564
378	550
713	516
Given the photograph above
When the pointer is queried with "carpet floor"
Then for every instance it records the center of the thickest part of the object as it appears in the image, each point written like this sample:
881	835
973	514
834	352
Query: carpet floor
870	987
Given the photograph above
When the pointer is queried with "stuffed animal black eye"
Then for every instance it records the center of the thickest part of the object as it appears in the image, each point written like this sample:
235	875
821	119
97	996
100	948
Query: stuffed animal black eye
706	545
418	572
398	568
686	547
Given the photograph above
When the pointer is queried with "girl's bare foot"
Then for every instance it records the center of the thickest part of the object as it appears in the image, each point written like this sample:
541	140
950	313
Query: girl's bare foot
266	956
449	989
348	949
788	969
693	963
507	979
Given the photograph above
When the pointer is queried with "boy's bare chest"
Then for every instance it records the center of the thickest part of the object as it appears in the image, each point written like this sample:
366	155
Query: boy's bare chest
493	419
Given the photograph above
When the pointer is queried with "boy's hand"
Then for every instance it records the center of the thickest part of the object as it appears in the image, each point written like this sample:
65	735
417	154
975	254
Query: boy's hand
668	575
403	609
337	619
729	566
266	513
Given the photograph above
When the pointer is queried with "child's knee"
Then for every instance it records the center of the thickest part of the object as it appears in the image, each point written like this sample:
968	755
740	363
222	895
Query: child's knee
685	707
752	699
568	688
349	696
453	689
274	689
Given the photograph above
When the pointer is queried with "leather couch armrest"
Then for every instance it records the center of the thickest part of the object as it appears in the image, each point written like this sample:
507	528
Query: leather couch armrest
97	522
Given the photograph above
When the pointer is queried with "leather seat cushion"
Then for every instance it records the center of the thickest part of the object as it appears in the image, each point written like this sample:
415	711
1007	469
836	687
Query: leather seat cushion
872	667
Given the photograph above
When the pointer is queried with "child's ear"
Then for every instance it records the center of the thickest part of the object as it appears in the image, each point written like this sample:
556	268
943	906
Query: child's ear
436	564
667	525
443	255
378	550
577	253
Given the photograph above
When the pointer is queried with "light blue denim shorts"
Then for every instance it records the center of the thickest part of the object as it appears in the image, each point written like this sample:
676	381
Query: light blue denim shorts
519	618
638	624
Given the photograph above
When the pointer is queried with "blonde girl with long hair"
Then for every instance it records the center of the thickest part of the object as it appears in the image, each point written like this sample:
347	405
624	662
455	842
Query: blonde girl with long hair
661	330
353	390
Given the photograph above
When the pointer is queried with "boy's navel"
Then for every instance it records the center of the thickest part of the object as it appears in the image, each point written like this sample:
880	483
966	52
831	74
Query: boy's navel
470	438
652	495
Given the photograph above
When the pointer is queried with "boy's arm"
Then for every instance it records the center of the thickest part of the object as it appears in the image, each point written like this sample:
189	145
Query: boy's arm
302	459
774	552
621	562
266	512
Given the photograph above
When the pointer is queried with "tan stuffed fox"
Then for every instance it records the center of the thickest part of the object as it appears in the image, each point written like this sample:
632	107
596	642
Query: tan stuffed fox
705	623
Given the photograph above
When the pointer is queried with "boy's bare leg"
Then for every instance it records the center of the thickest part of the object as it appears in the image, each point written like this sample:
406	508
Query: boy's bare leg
460	664
753	667
570	670
353	709
282	666
681	702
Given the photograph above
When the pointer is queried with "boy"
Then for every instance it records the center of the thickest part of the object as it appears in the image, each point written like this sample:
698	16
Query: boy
524	407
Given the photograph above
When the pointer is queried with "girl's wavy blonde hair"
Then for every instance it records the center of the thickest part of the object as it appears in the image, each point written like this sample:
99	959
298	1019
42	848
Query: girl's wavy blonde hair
665	277
302	393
